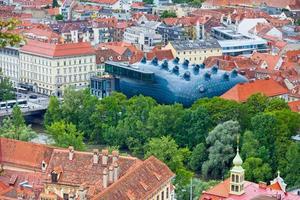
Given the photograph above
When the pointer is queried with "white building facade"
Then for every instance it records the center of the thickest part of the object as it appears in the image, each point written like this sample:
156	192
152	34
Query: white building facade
50	72
10	63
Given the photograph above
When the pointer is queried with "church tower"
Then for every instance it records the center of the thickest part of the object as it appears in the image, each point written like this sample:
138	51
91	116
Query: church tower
237	175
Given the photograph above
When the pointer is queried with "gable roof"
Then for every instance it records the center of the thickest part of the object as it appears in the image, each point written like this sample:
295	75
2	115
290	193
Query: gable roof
241	92
29	155
140	181
270	60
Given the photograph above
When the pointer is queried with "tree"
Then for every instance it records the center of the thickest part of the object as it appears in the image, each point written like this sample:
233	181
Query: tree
17	117
199	155
264	127
292	169
131	131
65	134
196	125
78	108
148	1
166	150
6	89
288	125
256	103
59	17
256	170
221	110
168	14
15	127
298	22
108	112
164	120
53	113
252	148
55	4
221	142
196	3
276	104
6	35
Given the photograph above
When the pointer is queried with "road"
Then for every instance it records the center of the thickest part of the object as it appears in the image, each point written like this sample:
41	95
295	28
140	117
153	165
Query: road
40	103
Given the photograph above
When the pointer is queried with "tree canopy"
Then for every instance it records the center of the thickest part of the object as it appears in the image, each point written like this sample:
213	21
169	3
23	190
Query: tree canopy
14	127
6	89
7	37
198	140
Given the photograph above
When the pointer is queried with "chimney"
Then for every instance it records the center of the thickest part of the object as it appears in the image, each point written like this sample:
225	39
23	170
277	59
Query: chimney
104	156
95	156
116	171
105	178
115	155
71	152
111	174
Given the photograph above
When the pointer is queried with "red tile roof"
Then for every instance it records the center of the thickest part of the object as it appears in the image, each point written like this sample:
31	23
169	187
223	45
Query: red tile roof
294	106
28	155
252	192
272	3
53	11
241	92
58	50
140	182
136	178
108	2
160	54
270	60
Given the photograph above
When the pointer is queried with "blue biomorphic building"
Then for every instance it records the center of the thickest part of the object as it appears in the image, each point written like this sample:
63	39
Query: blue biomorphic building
172	81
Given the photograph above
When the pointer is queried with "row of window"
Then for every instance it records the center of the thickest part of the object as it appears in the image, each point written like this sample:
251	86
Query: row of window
70	70
237	178
197	52
163	194
62	62
75	69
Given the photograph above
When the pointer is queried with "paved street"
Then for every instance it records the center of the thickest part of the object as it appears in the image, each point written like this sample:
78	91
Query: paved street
40	103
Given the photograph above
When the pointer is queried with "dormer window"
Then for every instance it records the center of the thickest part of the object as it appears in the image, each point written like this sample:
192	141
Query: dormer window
54	177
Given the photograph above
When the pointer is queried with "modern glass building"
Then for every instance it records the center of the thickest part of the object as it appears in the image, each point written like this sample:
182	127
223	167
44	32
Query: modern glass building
234	43
172	81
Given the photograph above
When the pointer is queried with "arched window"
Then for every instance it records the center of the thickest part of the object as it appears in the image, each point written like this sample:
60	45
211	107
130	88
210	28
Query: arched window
236	178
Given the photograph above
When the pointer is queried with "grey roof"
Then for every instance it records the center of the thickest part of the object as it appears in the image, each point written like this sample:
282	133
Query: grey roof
195	44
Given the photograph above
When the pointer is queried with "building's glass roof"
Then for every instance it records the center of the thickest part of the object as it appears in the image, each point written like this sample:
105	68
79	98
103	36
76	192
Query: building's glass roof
176	81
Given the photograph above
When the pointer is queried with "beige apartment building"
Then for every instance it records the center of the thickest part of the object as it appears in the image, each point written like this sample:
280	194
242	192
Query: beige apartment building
50	68
195	51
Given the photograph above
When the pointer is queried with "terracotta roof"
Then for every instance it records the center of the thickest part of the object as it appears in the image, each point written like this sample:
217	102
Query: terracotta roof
26	154
58	50
294	106
136	179
221	190
53	11
160	54
272	3
82	170
140	182
252	192
109	2
241	92
270	60
105	54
